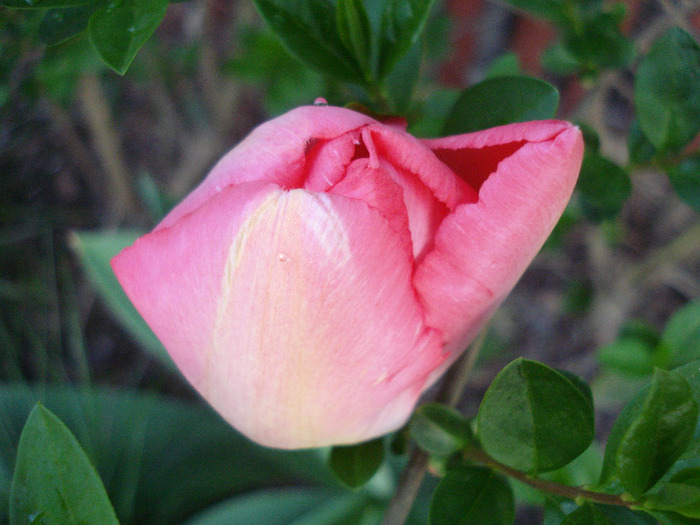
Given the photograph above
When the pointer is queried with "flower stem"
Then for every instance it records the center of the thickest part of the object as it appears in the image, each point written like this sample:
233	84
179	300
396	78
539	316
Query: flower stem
574	493
410	481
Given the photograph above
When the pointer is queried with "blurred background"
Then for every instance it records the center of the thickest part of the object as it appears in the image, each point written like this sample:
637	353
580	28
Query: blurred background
85	153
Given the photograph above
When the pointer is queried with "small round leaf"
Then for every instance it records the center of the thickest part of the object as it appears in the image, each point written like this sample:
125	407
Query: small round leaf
667	90
472	496
534	418
354	465
440	430
502	100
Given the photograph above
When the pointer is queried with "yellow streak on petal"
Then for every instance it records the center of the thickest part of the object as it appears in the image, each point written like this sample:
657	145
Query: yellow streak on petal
274	278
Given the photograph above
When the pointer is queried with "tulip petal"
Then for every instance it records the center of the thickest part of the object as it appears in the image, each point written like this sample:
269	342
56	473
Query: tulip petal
483	248
173	275
321	342
295	320
408	154
274	151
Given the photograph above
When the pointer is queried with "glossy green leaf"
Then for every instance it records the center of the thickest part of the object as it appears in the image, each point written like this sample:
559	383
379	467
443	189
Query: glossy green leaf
681	336
658	435
59	25
667	90
308	29
680	493
354	465
671	518
135	441
685	179
401	24
95	251
534	418
54	478
400	84
440	430
598	42
119	28
44	4
502	100
472	496
355	32
603	187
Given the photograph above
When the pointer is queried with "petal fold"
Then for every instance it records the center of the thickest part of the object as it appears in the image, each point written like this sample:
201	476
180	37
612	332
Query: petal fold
274	151
482	248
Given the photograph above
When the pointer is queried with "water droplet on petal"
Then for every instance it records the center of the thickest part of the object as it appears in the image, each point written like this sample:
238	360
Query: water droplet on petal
283	257
320	101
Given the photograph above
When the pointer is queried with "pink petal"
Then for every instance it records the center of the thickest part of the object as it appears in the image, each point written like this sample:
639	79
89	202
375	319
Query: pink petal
274	151
174	275
292	313
525	174
410	155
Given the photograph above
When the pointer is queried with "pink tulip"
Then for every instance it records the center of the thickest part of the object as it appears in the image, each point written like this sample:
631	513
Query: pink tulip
330	266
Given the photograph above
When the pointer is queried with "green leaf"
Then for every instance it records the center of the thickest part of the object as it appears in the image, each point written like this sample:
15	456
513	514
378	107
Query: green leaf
671	518
627	356
43	4
119	29
401	82
501	100
587	514
135	441
54	478
559	60
402	22
354	465
667	90
603	187
440	430
534	418
681	336
598	42
658	435
308	29
472	496
59	25
355	32
506	65
95	250
641	151
284	506
680	493
685	179
594	514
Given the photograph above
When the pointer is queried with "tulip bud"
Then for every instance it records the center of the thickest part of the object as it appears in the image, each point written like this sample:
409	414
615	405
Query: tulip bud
330	267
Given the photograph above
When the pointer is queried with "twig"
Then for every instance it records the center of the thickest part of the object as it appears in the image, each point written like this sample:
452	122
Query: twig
567	491
107	144
412	476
